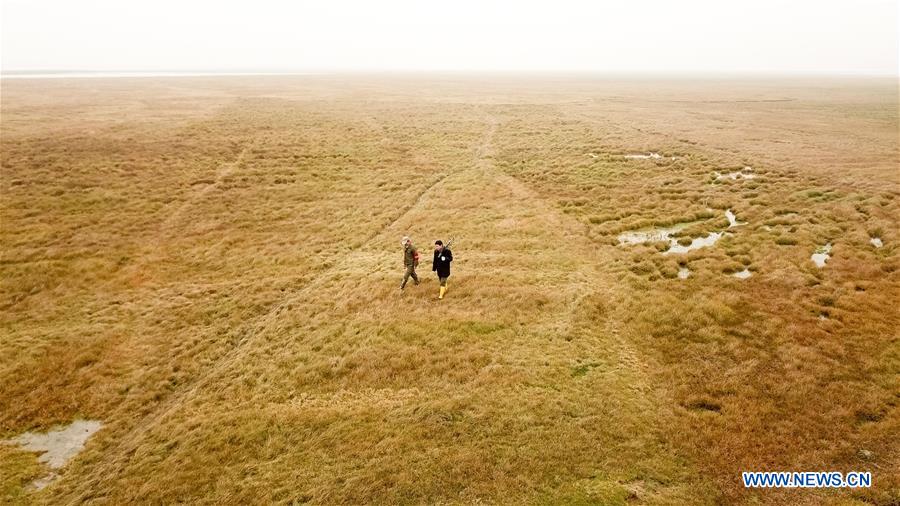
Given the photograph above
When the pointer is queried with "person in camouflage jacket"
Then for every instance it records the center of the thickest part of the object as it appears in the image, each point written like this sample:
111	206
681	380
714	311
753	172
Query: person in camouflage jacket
410	261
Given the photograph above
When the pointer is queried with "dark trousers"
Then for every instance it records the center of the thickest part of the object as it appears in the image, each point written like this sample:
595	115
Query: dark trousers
410	273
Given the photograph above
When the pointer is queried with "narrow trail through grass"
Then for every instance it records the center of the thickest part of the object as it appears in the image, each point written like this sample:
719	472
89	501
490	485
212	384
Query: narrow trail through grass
226	170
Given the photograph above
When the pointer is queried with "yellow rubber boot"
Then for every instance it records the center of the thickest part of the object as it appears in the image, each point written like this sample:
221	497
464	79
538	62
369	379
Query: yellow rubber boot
443	290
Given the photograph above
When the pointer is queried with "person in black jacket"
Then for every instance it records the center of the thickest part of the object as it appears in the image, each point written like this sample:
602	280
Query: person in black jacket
441	265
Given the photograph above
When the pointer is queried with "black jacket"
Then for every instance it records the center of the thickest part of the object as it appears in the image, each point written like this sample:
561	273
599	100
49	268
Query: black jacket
441	263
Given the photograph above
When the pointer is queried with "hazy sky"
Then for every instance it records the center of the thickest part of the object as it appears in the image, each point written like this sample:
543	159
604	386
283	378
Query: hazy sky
821	36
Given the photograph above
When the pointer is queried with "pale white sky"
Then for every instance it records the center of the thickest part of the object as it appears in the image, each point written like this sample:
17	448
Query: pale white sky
802	36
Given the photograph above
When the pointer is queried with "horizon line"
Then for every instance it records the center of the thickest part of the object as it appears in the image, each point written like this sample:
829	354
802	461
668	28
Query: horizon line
159	72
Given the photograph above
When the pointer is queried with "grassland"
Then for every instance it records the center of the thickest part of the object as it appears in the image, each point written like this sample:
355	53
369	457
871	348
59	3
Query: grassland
210	266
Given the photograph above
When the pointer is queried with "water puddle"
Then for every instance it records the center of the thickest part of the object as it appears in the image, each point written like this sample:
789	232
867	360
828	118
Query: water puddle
58	446
821	255
649	156
732	219
744	274
876	241
642	236
684	273
696	243
665	234
745	173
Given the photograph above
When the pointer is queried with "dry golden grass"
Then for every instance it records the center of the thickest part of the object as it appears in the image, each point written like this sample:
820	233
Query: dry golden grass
210	267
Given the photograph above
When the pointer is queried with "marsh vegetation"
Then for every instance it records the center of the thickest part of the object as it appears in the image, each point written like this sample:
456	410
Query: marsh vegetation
209	266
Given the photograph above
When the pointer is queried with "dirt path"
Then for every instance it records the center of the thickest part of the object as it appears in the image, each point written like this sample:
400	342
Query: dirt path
173	217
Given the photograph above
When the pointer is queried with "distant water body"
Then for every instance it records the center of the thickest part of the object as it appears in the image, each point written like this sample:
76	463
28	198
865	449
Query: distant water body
70	75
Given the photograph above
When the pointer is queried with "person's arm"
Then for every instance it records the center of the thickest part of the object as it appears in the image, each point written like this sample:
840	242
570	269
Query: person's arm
434	261
449	255
415	257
